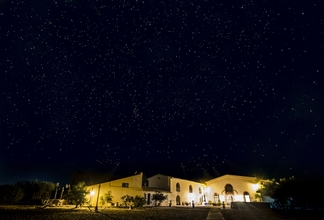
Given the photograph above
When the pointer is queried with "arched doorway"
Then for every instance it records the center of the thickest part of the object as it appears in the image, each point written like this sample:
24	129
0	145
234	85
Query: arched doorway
229	188
178	200
246	197
229	193
216	198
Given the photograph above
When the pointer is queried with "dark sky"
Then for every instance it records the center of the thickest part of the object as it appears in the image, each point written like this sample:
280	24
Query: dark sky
184	88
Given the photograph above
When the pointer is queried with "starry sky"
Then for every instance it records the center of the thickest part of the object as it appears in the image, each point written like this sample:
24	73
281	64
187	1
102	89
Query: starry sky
193	89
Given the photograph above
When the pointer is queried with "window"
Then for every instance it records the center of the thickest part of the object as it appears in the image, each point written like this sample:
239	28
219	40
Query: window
125	185
178	187
200	191
190	189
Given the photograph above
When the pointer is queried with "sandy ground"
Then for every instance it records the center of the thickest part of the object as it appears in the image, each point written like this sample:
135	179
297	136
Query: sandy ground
31	213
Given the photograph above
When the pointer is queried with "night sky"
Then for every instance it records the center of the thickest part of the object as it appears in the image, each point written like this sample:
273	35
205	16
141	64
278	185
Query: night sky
193	89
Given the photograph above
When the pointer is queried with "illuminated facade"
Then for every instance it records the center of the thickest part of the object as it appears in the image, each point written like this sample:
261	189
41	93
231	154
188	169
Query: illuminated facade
227	189
132	186
232	188
181	191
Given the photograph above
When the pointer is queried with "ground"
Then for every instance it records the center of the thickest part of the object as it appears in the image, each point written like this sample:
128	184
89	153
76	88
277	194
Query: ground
155	213
160	213
257	211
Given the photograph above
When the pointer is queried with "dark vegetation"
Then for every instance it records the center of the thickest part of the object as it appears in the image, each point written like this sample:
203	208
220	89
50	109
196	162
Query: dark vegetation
292	193
25	192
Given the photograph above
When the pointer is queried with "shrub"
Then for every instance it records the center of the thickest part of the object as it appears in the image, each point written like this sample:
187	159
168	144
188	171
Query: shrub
139	201
127	200
159	197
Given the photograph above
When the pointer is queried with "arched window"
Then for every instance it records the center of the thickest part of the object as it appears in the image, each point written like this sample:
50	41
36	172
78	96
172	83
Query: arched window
190	189
229	189
178	187
178	200
200	191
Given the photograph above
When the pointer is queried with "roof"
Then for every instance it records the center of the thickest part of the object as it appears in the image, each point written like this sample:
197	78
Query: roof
92	178
249	178
174	178
154	189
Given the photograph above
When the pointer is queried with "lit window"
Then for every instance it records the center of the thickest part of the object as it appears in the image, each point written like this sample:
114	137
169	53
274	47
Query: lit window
190	189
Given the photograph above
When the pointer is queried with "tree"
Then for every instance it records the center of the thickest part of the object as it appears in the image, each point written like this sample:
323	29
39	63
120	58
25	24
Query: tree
45	189
11	193
268	188
139	201
35	189
159	197
78	194
127	200
107	197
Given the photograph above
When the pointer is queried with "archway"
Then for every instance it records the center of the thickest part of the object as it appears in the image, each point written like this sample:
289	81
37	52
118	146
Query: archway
246	197
229	193
178	200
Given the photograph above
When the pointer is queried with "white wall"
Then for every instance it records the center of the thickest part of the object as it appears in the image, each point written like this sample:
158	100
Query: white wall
240	185
184	194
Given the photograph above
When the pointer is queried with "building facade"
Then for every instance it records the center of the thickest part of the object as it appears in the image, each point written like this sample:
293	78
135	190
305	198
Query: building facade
180	192
232	188
132	186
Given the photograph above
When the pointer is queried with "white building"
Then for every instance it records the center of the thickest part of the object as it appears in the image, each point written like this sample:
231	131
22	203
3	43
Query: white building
232	188
227	189
180	191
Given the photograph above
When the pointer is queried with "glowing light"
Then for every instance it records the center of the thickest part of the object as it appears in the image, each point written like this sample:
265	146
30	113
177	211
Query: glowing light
92	193
255	187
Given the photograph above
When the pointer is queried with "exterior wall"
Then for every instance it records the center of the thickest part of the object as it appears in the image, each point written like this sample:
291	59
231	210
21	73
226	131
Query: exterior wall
184	194
118	189
202	193
240	186
159	181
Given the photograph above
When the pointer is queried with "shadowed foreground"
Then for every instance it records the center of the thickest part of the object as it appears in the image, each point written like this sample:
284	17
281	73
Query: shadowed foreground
230	214
113	214
252	211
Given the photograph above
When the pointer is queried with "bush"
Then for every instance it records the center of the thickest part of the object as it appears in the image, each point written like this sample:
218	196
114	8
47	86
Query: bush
139	201
127	200
159	197
107	197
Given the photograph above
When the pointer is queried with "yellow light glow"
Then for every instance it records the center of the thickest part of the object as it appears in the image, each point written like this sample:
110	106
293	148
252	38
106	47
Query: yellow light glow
255	187
92	193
